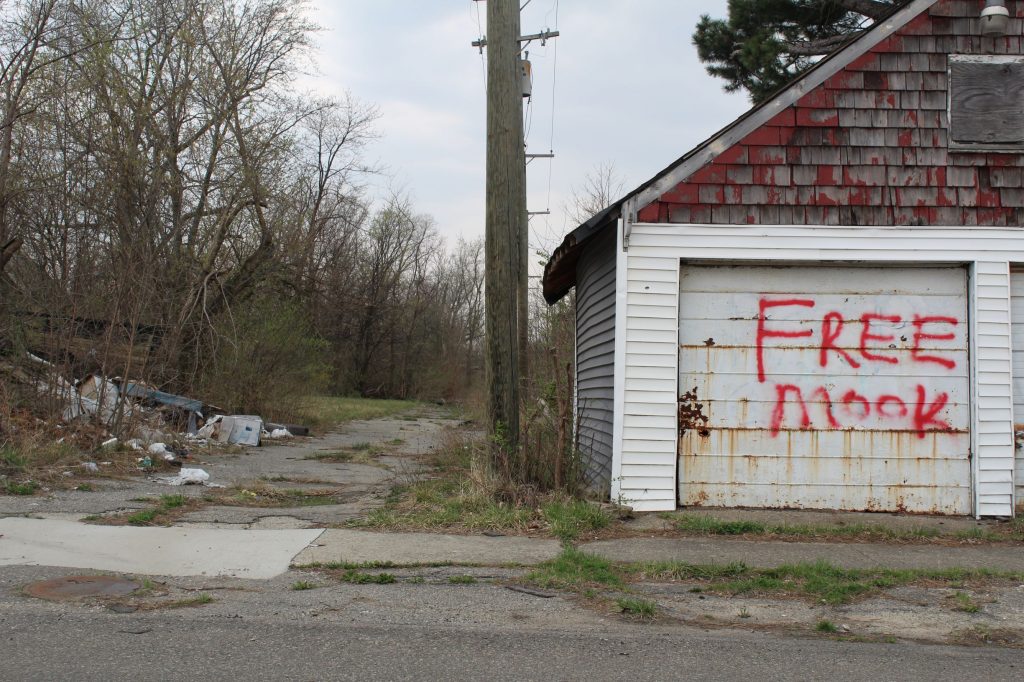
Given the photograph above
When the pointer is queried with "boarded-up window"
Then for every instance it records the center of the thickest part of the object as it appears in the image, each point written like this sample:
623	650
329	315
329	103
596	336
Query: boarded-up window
986	106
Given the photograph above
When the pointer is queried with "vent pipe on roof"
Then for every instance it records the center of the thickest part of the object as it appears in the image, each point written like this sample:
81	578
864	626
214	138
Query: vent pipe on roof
994	18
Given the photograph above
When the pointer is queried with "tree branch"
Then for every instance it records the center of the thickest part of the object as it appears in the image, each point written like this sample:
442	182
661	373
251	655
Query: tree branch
8	250
869	8
820	47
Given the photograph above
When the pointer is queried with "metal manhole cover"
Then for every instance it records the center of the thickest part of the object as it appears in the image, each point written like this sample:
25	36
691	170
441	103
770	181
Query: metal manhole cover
81	586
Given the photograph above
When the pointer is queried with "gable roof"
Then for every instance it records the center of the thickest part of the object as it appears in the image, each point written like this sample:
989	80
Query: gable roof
560	271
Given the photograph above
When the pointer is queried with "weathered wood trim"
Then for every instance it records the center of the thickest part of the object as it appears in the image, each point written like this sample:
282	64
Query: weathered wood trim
784	99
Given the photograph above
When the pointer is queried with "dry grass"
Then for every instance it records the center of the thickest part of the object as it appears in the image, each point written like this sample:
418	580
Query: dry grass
259	494
327	411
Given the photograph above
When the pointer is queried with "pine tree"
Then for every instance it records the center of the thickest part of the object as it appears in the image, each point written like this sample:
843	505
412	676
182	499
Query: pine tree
764	44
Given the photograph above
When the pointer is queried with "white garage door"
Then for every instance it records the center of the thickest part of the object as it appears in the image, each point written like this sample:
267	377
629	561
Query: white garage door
1017	320
824	387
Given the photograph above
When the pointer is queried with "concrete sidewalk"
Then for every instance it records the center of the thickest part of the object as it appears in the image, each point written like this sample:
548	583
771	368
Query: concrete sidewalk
262	554
403	548
256	554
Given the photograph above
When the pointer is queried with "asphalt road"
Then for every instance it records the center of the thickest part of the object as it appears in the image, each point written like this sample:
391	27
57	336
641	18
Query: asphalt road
80	646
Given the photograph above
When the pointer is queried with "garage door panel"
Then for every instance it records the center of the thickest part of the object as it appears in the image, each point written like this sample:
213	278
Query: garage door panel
813	308
921	499
810	471
779	279
805	362
791	415
902	341
867	444
820	392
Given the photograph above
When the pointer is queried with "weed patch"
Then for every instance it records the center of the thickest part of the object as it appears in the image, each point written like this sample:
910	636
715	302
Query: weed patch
261	495
642	609
569	519
359	578
575	570
982	635
820	582
461	580
703	524
300	585
167	509
965	603
458	499
23	488
826	626
447	503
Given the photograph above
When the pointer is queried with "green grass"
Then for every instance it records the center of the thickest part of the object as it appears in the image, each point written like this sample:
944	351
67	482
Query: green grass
85	487
446	503
300	585
819	581
826	626
356	566
165	504
361	453
575	570
644	609
461	580
370	565
709	525
703	524
24	488
359	578
199	600
331	410
260	495
13	460
143	518
454	501
568	519
965	603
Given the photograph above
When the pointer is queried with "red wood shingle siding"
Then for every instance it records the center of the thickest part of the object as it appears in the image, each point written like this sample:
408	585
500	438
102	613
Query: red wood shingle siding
867	147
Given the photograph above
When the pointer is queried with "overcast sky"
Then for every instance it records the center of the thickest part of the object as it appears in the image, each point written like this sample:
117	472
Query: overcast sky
628	89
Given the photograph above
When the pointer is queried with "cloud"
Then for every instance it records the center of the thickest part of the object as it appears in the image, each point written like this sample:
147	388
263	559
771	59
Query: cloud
629	90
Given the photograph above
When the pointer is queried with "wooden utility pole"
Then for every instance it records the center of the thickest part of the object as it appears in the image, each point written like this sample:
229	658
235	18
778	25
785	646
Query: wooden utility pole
506	198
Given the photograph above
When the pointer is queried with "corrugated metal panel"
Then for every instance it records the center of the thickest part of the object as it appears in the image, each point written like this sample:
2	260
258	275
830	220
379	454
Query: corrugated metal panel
825	387
595	359
1017	319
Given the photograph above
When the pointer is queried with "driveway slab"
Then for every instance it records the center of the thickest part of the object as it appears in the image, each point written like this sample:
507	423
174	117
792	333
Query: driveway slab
255	554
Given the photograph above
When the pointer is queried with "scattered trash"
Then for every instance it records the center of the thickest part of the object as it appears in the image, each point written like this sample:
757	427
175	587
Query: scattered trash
90	467
157	418
193	408
161	450
190	477
210	429
239	430
293	429
145	462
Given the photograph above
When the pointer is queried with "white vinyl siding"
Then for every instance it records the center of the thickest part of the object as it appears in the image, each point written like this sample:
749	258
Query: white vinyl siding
1017	318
